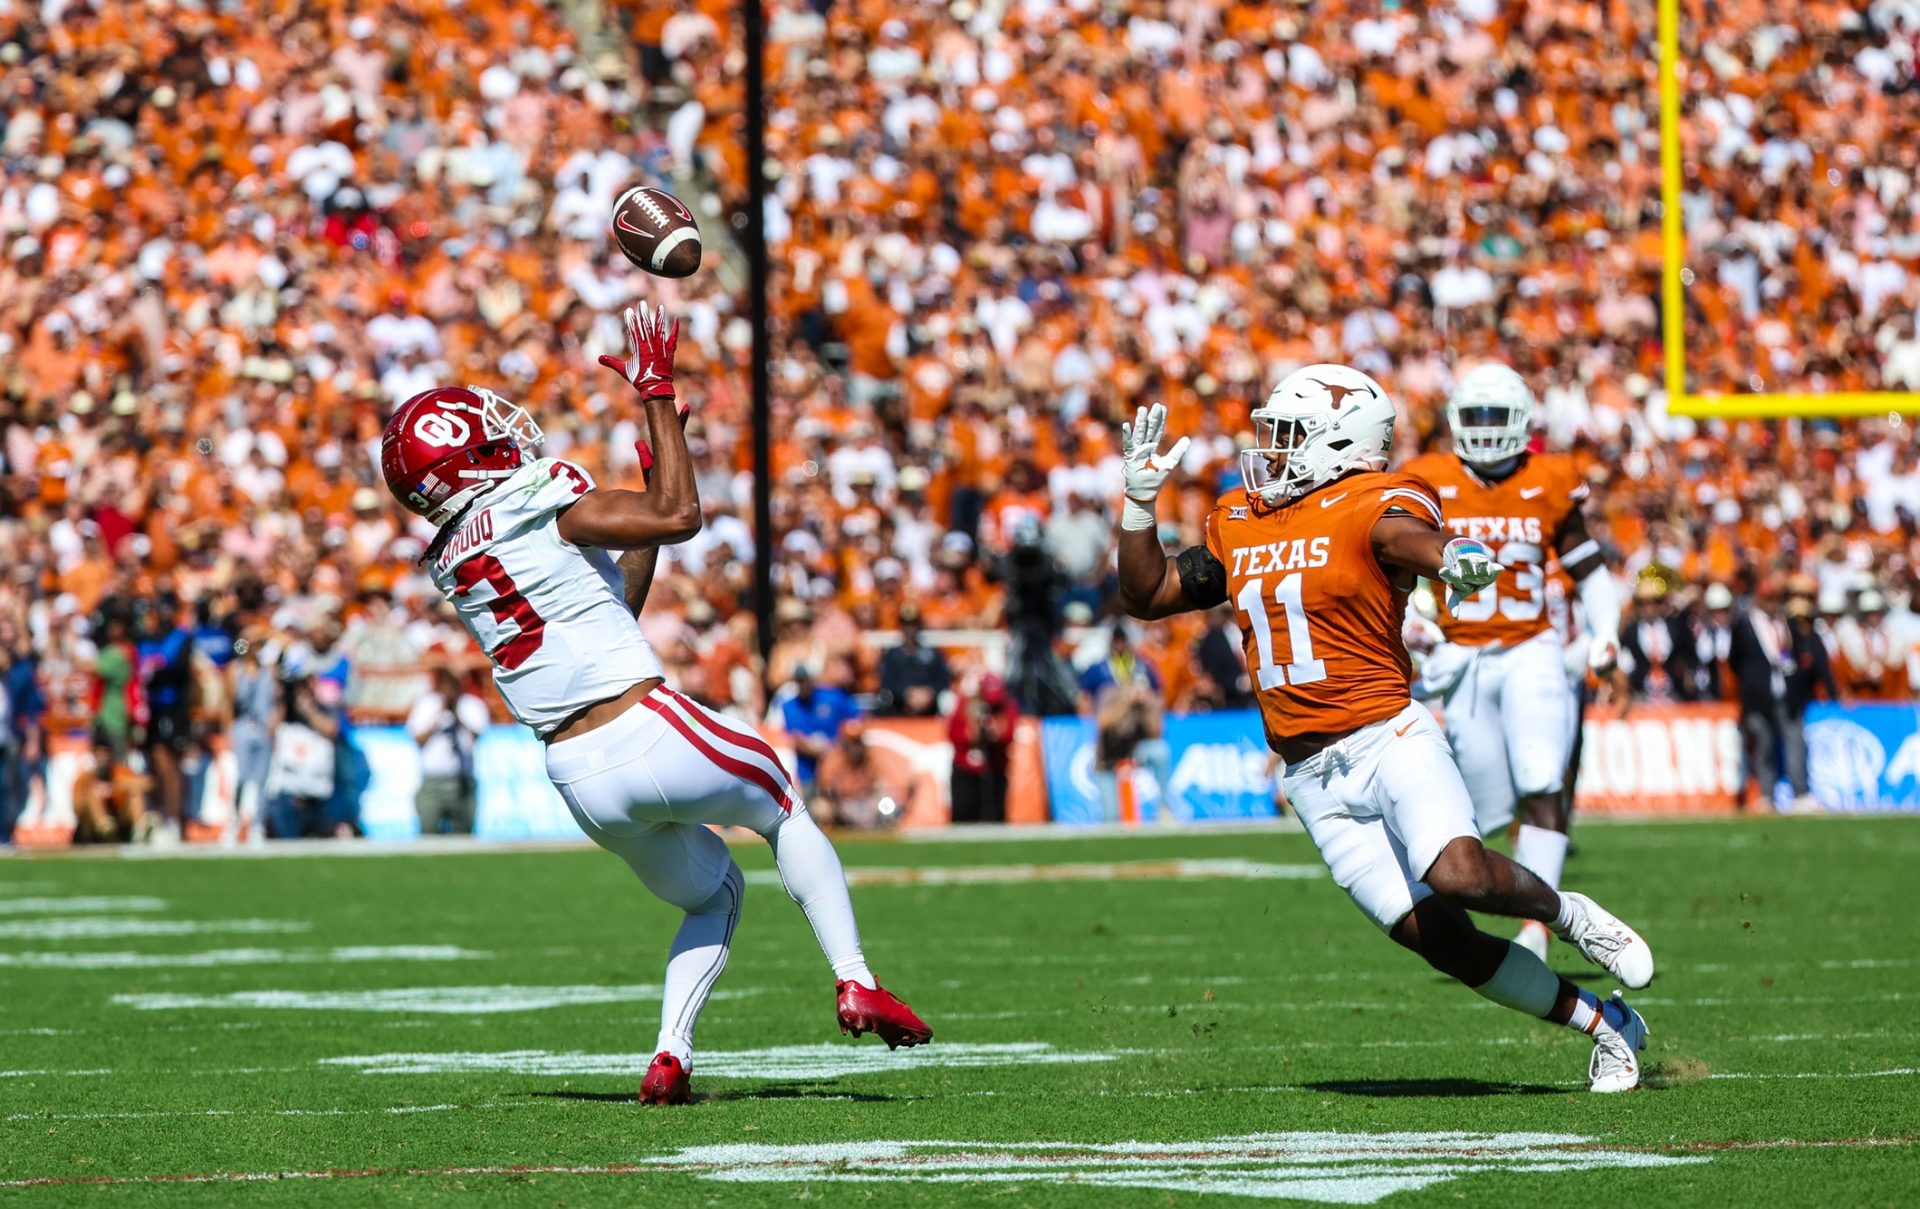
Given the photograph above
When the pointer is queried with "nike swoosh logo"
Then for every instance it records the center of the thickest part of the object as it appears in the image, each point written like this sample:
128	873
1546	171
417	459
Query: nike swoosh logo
1527	493
1331	500
1402	732
620	220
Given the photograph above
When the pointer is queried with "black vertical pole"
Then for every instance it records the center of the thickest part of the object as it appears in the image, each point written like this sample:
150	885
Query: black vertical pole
756	232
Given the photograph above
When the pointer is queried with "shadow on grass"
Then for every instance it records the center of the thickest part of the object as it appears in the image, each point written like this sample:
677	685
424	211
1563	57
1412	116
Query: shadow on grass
1398	1088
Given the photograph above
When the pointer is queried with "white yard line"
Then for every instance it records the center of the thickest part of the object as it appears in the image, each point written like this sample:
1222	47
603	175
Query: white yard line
98	927
54	904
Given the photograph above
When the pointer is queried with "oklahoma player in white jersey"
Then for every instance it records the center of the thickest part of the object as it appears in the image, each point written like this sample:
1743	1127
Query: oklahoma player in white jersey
1318	553
1510	712
522	555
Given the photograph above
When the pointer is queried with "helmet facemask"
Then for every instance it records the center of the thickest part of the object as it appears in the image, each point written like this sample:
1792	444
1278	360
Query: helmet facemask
1491	415
1485	433
1276	468
502	420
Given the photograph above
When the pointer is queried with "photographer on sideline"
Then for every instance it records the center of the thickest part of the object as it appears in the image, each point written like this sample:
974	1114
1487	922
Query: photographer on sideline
1042	683
981	729
301	780
1122	692
446	721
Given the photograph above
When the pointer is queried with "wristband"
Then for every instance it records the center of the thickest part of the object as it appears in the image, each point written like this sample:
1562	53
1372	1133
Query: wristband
1136	515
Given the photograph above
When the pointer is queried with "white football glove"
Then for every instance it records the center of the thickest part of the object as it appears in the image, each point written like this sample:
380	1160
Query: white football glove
1466	566
1602	654
1144	466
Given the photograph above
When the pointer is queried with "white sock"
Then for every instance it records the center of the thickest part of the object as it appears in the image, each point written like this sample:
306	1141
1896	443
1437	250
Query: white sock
694	963
1587	1013
1542	851
810	870
1523	982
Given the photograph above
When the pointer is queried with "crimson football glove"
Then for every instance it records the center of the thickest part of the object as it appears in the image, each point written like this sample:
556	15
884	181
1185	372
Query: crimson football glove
651	340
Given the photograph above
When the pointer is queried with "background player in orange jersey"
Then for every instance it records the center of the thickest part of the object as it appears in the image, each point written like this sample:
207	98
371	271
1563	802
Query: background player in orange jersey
1318	552
1510	712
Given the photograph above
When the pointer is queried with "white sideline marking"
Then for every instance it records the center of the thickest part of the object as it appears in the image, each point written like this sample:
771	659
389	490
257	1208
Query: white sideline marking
826	1061
1079	871
53	905
454	1001
101	927
237	957
1328	1168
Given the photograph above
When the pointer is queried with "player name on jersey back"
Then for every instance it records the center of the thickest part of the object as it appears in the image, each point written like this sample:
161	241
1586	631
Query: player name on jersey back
552	616
473	532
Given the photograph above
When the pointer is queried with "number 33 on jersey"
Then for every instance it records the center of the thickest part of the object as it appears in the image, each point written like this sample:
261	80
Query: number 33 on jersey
1321	618
1522	519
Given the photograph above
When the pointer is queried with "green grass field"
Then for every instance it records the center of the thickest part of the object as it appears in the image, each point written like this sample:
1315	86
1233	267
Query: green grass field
1159	1020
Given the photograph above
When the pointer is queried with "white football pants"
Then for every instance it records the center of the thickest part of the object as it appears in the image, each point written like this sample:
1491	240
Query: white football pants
647	785
1511	719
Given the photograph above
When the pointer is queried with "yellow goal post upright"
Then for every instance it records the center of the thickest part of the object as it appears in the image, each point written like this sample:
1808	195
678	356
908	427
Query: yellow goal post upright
1673	240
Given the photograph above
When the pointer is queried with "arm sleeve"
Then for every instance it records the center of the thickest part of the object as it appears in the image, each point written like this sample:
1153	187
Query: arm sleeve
1203	577
1600	599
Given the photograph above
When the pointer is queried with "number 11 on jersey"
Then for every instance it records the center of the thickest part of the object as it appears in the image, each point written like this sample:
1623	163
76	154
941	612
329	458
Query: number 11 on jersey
1252	603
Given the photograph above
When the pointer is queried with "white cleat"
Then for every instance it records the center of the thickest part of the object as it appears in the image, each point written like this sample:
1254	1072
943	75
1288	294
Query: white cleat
1607	942
1534	938
1617	1042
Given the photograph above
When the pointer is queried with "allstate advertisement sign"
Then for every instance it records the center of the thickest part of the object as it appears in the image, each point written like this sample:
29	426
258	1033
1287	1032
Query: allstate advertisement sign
1864	757
513	800
1209	766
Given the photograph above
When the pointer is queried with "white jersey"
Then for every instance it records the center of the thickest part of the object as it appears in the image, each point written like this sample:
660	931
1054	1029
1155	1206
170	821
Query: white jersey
551	615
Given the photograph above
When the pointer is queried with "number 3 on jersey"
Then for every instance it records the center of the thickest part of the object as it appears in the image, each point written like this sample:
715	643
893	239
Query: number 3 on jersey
1252	603
507	605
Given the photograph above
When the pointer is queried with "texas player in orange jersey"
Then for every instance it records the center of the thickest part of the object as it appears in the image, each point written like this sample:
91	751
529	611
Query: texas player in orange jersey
1511	712
1318	553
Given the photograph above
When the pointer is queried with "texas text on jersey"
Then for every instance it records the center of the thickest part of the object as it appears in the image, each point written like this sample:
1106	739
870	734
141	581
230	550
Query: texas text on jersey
1321	617
550	614
1523	518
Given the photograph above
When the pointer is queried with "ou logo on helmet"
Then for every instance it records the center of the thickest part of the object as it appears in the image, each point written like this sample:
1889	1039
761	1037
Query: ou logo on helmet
440	428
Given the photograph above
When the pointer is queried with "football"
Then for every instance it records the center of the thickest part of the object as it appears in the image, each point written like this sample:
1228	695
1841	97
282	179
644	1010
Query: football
657	232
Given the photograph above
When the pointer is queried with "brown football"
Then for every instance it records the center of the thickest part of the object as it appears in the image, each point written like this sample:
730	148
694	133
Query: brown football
657	232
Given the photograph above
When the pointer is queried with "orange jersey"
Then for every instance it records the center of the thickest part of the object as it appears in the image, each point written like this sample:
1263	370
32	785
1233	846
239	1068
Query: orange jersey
1521	519
1321	617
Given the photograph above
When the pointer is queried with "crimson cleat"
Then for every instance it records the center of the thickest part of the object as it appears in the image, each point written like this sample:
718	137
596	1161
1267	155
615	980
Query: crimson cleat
667	1082
877	1011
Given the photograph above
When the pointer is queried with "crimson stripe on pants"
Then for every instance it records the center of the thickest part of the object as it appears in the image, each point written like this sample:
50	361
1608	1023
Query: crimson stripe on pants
739	768
750	741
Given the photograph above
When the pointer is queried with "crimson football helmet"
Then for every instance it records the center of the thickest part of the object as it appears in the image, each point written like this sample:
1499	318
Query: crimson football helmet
449	444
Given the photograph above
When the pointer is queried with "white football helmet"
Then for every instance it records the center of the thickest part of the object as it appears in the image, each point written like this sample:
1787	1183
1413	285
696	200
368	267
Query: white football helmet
1491	414
1319	423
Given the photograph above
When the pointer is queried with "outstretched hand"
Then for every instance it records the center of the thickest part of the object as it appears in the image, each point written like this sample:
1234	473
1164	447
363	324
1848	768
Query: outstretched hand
651	341
1144	467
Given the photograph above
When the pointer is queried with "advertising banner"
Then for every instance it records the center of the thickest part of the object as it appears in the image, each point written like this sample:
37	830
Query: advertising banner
1207	766
1661	759
1864	757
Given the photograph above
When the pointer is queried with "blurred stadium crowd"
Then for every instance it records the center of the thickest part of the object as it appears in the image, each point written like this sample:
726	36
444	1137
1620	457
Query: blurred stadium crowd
238	235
